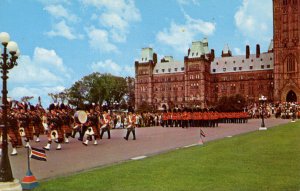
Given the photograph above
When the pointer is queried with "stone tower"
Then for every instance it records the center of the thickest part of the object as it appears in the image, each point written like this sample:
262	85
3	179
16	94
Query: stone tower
286	18
144	76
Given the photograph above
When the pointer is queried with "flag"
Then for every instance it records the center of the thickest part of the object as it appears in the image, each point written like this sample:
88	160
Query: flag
202	133
38	154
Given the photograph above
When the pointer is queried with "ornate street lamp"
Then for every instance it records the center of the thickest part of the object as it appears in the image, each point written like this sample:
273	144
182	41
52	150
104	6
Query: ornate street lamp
262	99
7	62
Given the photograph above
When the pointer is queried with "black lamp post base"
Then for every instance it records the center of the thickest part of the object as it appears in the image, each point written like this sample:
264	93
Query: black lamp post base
11	186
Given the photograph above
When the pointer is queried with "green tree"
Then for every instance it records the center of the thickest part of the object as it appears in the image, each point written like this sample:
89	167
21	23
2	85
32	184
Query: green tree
97	88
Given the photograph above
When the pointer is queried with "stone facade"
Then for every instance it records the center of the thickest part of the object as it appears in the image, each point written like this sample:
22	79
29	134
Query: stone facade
201	79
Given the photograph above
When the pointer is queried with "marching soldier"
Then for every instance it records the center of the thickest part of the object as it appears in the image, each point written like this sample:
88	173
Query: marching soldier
131	126
105	121
66	124
25	128
56	132
13	133
92	130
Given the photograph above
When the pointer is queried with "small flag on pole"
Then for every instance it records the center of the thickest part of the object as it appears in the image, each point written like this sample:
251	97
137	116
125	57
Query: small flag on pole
38	154
202	133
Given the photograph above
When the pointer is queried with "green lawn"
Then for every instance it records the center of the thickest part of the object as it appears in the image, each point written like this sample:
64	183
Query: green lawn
262	160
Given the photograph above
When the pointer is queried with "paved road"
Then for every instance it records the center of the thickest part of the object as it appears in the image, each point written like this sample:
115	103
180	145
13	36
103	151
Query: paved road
75	157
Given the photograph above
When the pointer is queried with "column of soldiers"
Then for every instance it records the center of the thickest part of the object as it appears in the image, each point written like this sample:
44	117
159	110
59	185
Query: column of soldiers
200	118
26	124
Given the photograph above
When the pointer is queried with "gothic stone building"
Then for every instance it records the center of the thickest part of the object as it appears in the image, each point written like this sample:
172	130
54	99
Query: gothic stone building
201	79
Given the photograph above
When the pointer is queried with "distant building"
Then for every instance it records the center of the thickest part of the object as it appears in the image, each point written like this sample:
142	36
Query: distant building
201	79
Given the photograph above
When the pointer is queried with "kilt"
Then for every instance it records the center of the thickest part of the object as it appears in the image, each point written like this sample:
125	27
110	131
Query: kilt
28	132
96	132
38	129
15	137
67	129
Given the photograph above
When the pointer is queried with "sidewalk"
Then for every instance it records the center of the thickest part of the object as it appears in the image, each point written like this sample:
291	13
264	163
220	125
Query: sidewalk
74	157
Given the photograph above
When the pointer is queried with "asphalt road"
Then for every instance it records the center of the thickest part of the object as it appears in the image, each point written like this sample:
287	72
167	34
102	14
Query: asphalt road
75	157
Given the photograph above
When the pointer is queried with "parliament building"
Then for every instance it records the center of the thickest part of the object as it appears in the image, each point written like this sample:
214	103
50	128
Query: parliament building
202	78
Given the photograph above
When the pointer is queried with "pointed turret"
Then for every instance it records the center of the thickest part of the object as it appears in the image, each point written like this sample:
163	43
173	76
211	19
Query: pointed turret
226	52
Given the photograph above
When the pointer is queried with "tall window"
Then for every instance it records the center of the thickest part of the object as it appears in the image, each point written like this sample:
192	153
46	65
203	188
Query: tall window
290	62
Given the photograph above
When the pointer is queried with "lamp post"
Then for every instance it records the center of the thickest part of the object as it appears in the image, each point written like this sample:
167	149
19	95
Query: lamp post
7	62
262	101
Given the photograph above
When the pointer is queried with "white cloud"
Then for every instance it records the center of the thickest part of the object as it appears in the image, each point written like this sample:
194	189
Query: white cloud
44	73
116	16
254	20
63	30
44	69
58	11
99	40
108	66
180	36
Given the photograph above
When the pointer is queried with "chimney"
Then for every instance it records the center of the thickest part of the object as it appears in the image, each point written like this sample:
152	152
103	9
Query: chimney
257	51
212	54
247	51
189	50
154	58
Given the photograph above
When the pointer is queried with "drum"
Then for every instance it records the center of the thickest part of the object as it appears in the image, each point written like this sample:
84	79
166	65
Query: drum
81	116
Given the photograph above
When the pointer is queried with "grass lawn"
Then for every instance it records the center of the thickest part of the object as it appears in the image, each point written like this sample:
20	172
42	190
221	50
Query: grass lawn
262	160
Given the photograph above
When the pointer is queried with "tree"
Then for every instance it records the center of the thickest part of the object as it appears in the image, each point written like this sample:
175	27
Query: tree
97	88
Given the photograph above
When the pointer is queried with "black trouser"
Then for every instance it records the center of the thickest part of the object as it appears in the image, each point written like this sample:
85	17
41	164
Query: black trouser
184	123
103	130
129	130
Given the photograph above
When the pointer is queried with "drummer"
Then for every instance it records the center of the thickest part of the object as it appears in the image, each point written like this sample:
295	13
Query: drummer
105	121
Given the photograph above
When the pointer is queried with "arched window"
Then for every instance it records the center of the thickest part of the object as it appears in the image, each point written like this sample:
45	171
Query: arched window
290	63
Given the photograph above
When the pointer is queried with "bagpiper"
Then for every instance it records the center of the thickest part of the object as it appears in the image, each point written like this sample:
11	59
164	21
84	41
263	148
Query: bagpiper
92	130
55	130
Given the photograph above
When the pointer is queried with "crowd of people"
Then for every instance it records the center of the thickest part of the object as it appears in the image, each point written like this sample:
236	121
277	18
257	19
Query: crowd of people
284	110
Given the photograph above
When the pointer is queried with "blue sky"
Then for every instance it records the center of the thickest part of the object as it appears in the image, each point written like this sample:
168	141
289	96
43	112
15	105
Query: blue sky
64	40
